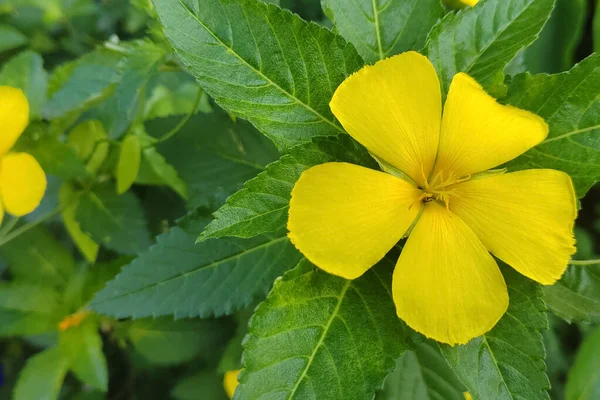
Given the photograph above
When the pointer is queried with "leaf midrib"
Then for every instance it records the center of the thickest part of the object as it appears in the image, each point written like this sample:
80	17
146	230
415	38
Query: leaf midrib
258	72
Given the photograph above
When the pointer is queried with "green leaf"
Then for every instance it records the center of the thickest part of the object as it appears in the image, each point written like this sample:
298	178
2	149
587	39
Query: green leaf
116	221
554	50
576	297
80	83
596	28
26	71
380	29
164	341
11	38
82	346
584	378
68	201
262	205
213	155
27	308
173	93
89	140
36	256
318	336
281	81
155	169
177	277
422	374
481	40
130	156
508	361
202	385
42	376
570	105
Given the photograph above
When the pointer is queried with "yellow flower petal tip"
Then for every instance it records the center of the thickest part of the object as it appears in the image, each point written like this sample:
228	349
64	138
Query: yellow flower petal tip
468	396
14	116
438	187
461	3
230	382
22	183
73	320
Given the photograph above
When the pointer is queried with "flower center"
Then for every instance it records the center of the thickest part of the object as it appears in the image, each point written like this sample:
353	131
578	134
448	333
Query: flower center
440	187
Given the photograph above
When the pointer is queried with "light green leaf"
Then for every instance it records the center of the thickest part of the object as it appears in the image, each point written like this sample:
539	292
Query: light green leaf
173	93
583	382
89	140
202	385
213	155
68	201
26	71
281	81
554	50
177	277
155	169
36	256
116	221
481	40
508	361
27	308
82	346
422	374
318	336
130	156
164	341
576	297
570	105
11	38
380	29
42	376
262	205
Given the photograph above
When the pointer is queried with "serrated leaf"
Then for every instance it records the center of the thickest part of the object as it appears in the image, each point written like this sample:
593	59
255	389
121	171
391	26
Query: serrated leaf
116	221
213	155
422	374
128	166
583	382
177	277
508	361
42	376
380	29
281	81
318	336
11	38
36	256
26	71
164	341
82	346
68	201
155	169
27	308
576	296
570	105
481	40
262	205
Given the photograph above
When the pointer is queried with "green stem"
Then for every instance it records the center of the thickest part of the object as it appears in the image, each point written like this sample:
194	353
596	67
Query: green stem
28	226
184	121
585	262
8	226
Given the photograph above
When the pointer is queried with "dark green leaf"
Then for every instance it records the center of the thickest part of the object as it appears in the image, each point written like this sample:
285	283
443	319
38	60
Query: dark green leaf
584	378
481	40
27	309
11	38
177	277
422	374
261	63
508	361
318	336
596	28
570	105
380	29
202	385
576	297
42	376
262	206
116	221
26	71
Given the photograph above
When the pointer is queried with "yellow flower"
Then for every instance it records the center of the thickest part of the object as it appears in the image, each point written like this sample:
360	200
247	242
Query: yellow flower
461	3
230	382
22	180
439	191
468	396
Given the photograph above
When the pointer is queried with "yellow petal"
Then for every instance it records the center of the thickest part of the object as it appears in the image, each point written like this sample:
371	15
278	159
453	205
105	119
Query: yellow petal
22	183
14	116
478	133
345	218
525	218
393	108
230	382
446	285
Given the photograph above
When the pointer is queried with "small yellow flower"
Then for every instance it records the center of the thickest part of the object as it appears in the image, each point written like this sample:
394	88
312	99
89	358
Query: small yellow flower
439	191
461	3
22	180
230	382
